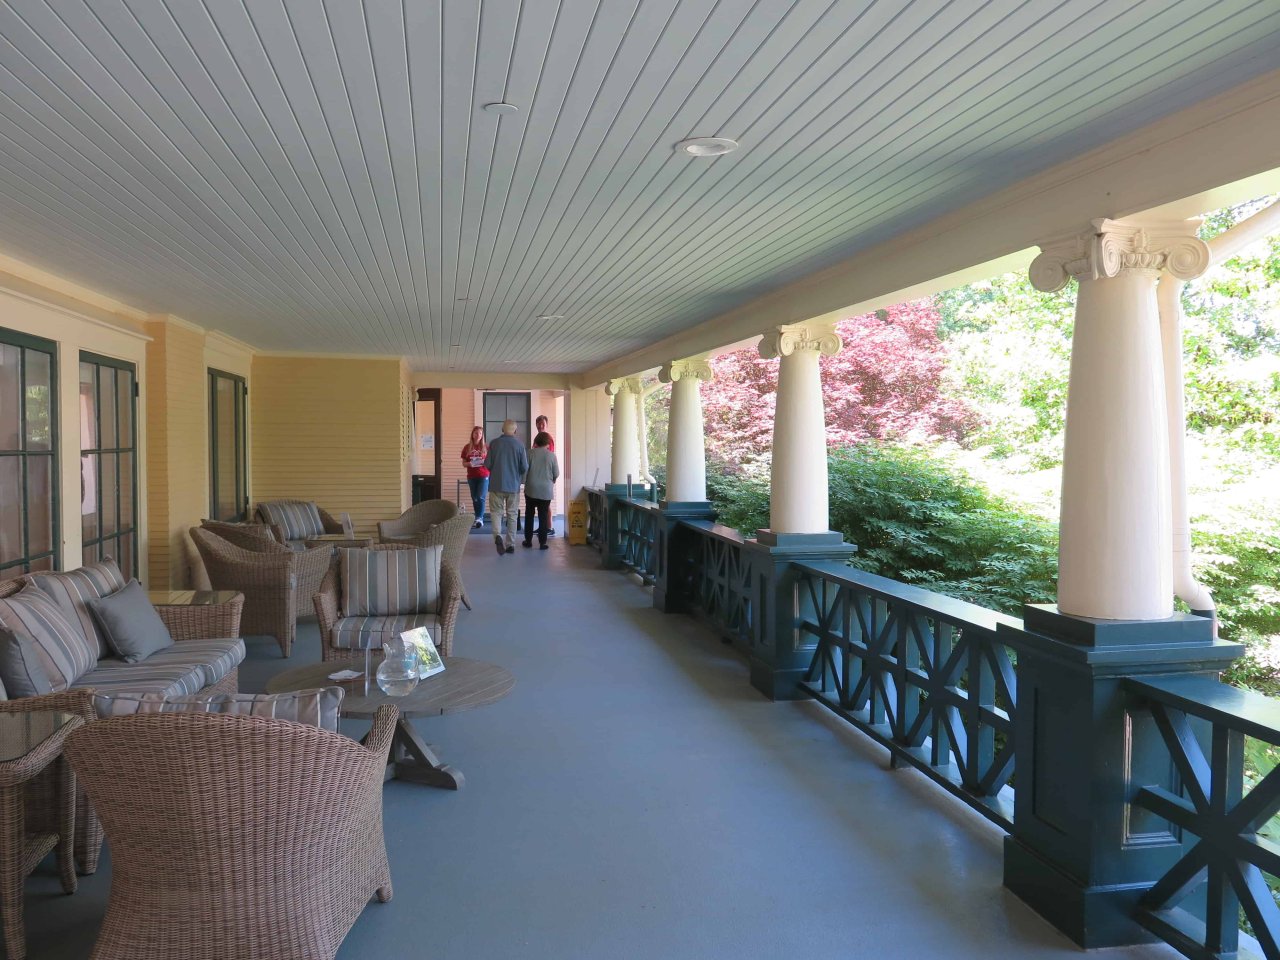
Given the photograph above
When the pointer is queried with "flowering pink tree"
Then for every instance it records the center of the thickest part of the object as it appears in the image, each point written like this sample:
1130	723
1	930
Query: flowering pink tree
884	384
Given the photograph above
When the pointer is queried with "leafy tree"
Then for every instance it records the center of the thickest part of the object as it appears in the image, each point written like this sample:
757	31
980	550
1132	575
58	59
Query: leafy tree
885	383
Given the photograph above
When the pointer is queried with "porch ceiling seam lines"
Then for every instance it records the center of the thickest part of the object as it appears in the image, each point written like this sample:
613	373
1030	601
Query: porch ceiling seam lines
749	265
409	312
60	58
761	147
585	114
346	76
376	309
176	78
493	131
327	127
108	242
536	87
516	286
795	187
317	175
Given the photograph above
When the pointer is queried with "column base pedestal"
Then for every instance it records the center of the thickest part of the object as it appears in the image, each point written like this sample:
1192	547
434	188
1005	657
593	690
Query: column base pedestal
781	657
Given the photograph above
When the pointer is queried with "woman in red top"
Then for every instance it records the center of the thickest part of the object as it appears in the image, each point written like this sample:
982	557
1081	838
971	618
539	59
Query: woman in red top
473	455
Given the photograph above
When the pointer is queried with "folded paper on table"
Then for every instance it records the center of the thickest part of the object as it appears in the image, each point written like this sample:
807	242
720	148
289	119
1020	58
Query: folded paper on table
419	640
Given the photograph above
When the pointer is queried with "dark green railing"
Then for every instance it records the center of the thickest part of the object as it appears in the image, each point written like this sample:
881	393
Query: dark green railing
719	585
920	673
934	681
637	534
1195	906
597	516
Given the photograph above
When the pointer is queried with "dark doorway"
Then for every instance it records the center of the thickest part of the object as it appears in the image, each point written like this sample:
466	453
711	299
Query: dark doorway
506	406
426	445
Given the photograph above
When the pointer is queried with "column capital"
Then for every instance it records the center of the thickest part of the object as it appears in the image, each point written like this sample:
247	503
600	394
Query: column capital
789	338
1113	246
694	368
623	385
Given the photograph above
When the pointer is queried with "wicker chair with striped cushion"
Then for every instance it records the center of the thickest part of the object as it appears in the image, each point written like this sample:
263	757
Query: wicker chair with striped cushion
387	599
296	520
190	879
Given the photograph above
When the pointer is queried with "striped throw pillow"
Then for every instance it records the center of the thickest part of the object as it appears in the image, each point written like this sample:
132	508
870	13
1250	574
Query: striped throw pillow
390	583
317	707
73	590
297	520
63	651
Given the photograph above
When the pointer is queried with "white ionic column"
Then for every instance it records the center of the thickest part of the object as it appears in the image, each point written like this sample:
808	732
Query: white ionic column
1114	560
626	432
798	496
686	439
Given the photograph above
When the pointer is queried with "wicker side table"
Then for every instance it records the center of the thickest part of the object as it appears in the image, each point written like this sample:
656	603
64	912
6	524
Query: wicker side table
339	540
31	743
199	614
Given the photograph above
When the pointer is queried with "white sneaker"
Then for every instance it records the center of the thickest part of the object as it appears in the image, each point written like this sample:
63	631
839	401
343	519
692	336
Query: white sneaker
477	525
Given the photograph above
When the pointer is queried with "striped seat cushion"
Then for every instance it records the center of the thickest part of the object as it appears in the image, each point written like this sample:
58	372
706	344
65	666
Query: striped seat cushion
297	520
64	652
159	685
213	658
319	707
171	679
389	583
74	589
357	633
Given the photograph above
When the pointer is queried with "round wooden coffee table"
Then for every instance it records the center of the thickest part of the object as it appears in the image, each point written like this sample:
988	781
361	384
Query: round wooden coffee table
463	684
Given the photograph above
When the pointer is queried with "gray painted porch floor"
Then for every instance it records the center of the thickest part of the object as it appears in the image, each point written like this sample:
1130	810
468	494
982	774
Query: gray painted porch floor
635	798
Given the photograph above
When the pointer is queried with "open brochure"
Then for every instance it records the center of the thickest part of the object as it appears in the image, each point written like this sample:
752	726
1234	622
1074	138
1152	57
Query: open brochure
419	640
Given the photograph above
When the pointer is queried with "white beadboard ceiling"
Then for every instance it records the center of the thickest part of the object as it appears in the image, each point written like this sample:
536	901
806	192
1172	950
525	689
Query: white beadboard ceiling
320	176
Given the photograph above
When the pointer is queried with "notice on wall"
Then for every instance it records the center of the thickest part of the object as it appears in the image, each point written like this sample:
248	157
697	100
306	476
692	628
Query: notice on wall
426	441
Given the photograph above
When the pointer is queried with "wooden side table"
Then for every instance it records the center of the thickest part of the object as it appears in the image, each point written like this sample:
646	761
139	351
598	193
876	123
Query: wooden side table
30	744
199	614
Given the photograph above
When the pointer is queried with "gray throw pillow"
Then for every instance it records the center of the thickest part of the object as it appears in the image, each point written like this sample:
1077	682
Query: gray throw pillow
133	629
20	667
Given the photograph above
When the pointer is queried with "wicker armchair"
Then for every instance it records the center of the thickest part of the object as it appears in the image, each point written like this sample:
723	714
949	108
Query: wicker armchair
328	604
330	524
273	578
189	879
452	534
247	535
417	519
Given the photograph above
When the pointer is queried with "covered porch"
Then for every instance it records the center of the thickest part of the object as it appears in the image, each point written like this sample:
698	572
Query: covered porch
635	797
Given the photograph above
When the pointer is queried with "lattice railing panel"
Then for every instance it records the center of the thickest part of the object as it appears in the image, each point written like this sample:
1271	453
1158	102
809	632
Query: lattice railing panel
921	673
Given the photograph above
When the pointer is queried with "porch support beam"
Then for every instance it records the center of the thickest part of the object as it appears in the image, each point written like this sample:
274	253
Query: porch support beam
686	482
626	433
1115	540
798	501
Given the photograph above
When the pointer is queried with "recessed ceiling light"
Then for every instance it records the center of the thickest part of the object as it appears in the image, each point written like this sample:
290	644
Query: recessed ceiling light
508	361
550	316
455	345
501	108
707	146
464	299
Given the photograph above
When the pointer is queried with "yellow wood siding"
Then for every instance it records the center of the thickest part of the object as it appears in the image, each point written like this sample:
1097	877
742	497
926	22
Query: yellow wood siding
178	448
328	431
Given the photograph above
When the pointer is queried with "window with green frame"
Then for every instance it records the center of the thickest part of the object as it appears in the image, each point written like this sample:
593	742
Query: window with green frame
29	533
109	461
228	489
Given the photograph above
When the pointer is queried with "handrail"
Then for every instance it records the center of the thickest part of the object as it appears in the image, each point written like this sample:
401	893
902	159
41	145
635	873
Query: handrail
922	674
1203	724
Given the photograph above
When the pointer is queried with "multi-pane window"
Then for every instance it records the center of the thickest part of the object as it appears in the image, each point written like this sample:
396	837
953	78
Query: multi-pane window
28	454
228	493
109	461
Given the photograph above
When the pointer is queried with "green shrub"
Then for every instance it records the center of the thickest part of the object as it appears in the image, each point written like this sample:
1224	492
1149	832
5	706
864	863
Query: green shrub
918	519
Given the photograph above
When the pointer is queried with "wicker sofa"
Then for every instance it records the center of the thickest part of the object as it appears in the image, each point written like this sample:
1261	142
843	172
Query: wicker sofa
206	657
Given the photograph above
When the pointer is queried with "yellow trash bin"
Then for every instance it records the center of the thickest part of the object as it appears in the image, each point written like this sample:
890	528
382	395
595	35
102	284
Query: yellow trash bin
577	522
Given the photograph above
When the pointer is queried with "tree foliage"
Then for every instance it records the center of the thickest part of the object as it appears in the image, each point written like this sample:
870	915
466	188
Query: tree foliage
885	384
